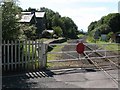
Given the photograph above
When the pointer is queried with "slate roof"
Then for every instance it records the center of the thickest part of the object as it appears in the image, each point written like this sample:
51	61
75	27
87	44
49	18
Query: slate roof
27	16
39	14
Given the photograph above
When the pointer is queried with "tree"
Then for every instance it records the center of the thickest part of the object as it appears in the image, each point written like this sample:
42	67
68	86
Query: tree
104	29
69	28
92	26
54	19
106	24
58	31
10	29
27	31
114	22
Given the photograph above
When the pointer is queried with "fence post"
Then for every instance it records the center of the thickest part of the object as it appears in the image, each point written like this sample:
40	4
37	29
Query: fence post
8	45
44	56
39	53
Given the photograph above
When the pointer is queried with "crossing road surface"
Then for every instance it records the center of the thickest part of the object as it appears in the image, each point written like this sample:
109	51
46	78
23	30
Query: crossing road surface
65	78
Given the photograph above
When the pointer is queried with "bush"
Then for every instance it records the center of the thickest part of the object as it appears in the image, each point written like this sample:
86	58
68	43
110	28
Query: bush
58	31
27	32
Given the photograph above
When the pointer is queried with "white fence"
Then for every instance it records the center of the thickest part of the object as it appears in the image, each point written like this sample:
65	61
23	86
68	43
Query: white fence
21	55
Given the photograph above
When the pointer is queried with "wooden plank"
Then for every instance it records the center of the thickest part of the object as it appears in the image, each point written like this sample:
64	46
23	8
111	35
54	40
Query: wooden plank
11	55
8	67
19	53
41	55
26	66
15	53
4	68
29	61
39	51
33	66
35	53
22	59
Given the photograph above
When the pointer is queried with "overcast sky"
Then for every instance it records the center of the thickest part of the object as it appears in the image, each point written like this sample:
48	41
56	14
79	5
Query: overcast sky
82	12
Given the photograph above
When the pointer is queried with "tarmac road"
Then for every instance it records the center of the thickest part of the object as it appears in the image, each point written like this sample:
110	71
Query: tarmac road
64	78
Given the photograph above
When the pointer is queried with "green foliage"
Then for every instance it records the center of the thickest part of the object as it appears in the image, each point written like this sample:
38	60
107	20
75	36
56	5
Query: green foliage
109	35
81	35
27	31
104	29
58	31
10	29
92	26
90	37
64	25
109	23
54	19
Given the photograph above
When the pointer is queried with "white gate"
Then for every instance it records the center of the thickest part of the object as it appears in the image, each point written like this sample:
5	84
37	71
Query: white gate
23	55
62	53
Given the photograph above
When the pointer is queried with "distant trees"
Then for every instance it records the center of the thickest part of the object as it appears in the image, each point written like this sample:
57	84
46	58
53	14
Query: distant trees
92	26
64	25
109	23
104	29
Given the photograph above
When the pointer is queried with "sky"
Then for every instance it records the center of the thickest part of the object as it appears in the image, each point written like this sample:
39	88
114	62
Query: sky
82	12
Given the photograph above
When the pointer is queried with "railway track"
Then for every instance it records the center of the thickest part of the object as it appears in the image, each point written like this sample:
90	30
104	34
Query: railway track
102	59
100	67
70	58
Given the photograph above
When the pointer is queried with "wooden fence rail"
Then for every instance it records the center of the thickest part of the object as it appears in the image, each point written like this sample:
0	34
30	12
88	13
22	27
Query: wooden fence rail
21	55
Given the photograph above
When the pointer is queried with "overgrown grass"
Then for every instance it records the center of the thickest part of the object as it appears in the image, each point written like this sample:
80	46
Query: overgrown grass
90	39
104	44
80	36
55	56
56	48
113	47
109	46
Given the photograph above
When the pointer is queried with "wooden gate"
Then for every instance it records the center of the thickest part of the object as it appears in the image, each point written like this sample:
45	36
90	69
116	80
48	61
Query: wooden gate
65	55
23	55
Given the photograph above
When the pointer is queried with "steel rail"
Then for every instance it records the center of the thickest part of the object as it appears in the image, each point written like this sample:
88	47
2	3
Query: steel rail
106	58
98	66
